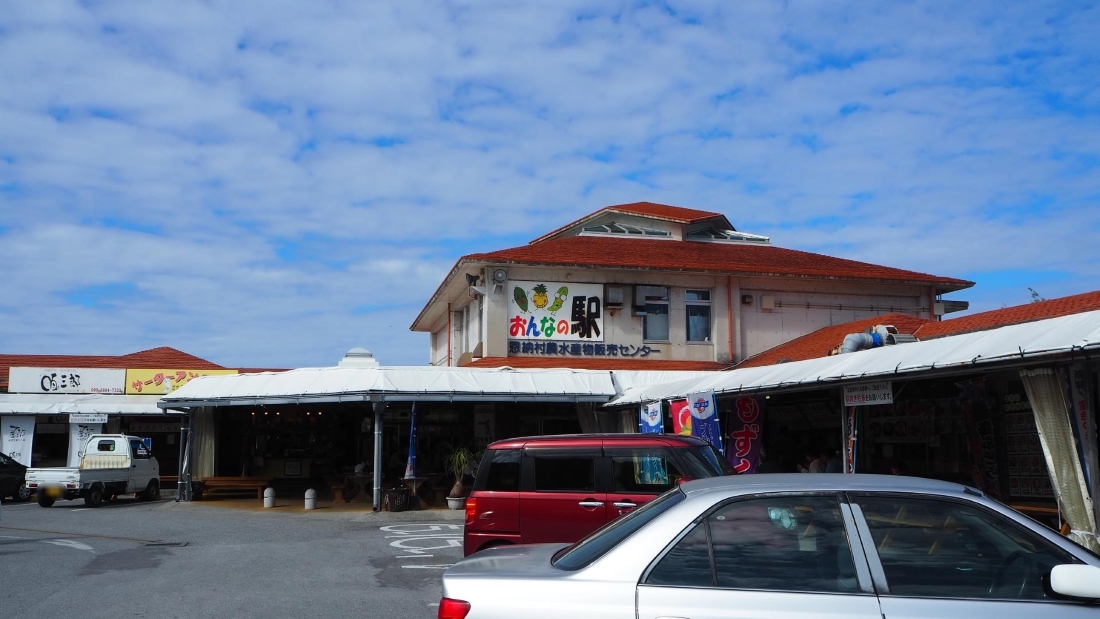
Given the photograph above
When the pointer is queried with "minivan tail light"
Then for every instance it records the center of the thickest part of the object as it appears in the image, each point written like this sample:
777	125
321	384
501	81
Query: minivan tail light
471	510
453	609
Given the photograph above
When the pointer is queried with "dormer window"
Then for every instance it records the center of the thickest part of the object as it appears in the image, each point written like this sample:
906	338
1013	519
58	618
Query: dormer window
626	229
712	235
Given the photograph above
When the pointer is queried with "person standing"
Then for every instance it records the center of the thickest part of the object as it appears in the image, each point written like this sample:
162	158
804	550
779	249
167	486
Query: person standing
817	465
833	463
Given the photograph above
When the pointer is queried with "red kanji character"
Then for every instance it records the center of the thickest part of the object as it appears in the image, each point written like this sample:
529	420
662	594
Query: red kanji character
743	466
743	438
517	326
747	411
136	385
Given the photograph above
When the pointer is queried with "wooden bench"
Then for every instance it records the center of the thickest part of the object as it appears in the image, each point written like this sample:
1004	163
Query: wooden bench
234	484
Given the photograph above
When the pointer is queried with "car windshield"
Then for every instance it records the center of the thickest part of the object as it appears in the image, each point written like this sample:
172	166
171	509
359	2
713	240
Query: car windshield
705	462
598	543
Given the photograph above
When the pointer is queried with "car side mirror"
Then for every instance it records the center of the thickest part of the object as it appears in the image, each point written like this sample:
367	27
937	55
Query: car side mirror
1080	582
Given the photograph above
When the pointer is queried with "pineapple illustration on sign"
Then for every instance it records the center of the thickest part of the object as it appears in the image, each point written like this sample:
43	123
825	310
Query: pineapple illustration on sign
540	298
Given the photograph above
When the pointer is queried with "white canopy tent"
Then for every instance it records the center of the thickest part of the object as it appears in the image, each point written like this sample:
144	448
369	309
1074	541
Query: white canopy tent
1023	344
67	403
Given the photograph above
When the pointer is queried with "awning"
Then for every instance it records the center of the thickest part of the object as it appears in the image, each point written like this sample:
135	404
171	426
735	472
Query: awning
1016	345
394	384
66	403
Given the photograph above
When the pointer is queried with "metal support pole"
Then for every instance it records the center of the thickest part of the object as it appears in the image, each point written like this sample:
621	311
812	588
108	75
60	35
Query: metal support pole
379	408
179	468
189	463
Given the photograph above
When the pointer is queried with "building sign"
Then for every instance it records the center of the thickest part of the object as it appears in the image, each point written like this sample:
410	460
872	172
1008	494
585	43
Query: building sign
577	349
868	394
1084	426
745	435
66	380
88	418
17	437
555	311
160	382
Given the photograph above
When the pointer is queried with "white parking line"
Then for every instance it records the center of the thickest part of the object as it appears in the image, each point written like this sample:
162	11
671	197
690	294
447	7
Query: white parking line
68	543
412	556
427	567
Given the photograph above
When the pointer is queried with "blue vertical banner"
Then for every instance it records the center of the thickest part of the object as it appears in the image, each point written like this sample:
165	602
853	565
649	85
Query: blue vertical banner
704	418
649	421
410	466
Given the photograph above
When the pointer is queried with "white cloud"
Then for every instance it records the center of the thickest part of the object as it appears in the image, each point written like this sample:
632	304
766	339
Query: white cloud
281	183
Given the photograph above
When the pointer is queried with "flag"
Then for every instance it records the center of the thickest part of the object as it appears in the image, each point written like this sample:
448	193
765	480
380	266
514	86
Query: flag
746	427
649	421
704	418
410	466
681	417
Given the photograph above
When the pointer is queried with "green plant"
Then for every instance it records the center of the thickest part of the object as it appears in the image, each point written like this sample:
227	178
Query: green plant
458	461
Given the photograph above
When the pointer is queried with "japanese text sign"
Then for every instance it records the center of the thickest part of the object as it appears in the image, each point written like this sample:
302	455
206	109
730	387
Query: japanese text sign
704	418
160	382
746	430
66	380
868	394
17	437
555	311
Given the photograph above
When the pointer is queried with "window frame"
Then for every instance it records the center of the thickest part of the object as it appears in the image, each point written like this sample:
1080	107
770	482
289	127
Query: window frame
878	573
664	302
527	465
851	532
709	304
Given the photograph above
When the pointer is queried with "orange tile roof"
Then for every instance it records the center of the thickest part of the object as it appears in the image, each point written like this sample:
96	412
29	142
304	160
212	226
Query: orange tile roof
163	357
666	212
732	259
582	363
820	342
1029	312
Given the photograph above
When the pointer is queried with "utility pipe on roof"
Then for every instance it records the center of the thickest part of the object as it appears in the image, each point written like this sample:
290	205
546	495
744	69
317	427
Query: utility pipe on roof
860	341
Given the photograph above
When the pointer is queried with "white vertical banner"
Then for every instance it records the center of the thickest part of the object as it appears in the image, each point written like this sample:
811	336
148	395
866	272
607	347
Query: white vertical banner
17	437
79	433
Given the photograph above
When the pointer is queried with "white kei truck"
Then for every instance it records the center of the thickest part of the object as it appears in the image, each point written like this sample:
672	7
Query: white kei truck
110	465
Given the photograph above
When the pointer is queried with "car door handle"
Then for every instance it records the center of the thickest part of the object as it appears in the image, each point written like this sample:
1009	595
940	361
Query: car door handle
590	504
625	505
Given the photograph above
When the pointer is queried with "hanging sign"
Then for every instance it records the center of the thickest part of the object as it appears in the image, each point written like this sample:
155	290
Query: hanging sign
66	380
681	417
17	437
868	394
650	421
704	418
87	418
160	382
745	435
555	311
79	433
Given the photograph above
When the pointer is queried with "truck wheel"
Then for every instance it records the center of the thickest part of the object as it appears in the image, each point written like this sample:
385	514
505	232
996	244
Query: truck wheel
152	491
23	493
44	501
94	496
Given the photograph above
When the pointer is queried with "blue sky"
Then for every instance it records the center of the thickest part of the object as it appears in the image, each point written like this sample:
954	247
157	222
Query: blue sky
271	184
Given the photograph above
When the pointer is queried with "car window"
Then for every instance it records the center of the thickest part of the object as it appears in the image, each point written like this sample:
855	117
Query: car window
563	472
600	541
776	543
503	470
705	461
105	446
139	450
947	549
646	470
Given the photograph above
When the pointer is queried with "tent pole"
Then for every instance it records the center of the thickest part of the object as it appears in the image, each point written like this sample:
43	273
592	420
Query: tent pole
179	467
379	407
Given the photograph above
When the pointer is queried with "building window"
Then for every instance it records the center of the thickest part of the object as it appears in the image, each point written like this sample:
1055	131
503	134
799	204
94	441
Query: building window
655	325
697	303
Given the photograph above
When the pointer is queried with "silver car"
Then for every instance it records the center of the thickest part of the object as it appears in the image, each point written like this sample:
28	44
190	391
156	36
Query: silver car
820	546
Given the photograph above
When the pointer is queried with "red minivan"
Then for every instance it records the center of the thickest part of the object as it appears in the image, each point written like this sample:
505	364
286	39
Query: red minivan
561	488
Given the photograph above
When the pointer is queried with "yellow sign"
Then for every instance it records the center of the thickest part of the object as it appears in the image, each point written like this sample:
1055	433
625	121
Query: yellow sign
160	382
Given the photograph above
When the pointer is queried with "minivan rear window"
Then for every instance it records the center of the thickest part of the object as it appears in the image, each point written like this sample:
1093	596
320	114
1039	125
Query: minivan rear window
598	543
503	472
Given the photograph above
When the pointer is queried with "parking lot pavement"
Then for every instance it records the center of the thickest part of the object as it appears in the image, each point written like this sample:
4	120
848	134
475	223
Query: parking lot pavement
168	559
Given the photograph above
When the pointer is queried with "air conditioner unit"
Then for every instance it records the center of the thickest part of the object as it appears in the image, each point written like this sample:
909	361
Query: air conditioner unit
613	296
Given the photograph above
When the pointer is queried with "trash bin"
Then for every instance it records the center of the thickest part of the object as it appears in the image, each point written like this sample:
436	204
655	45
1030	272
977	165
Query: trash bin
397	500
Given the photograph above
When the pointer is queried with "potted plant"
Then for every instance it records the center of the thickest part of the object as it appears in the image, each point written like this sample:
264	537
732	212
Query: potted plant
458	461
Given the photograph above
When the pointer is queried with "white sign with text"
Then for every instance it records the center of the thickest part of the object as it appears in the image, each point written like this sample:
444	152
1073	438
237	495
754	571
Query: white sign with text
17	437
869	394
67	380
